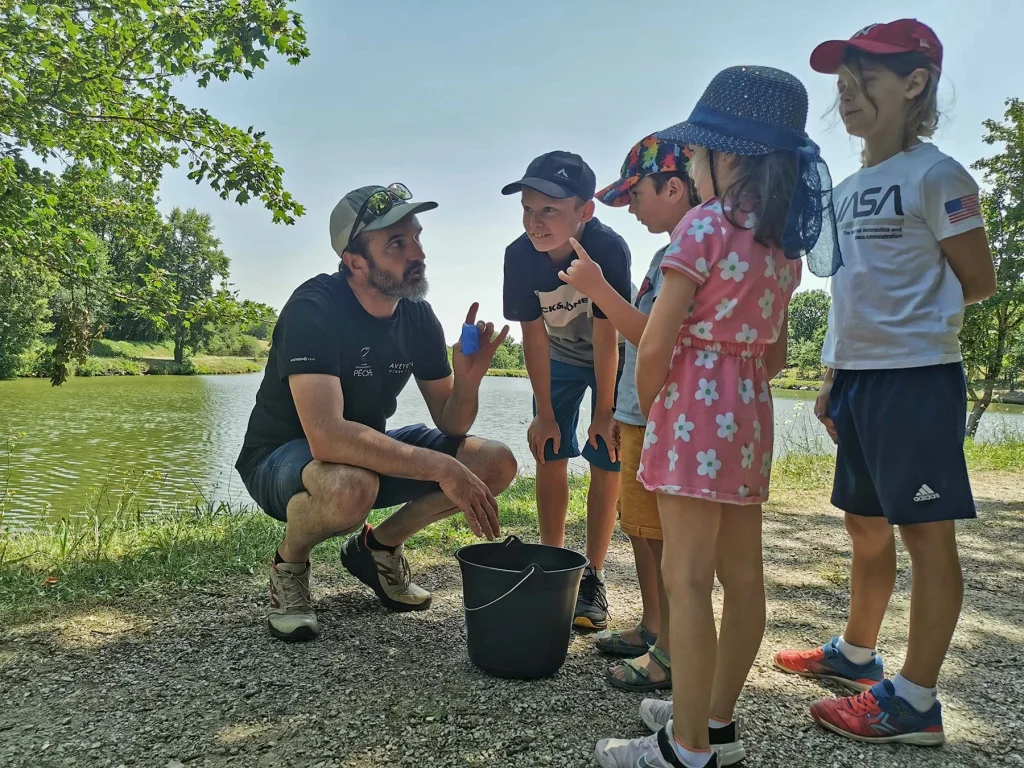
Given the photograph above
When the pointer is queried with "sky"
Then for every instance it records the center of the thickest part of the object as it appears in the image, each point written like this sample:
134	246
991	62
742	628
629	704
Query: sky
454	98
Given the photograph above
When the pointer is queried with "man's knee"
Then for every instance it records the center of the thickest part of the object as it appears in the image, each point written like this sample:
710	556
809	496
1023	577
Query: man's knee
344	494
930	541
496	465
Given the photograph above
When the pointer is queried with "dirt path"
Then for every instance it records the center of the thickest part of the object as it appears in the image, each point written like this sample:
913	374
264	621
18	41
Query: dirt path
199	682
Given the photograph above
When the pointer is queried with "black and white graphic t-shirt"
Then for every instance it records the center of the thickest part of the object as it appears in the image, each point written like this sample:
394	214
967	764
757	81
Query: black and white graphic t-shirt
324	329
896	302
533	289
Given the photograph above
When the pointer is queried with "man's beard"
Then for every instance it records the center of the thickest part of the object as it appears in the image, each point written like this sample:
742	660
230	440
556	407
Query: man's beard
413	284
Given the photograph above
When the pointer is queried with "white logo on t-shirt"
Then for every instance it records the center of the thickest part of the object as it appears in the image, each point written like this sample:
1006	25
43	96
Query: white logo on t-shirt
364	369
563	305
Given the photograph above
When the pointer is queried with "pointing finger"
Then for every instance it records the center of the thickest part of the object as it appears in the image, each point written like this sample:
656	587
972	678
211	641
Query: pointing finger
471	315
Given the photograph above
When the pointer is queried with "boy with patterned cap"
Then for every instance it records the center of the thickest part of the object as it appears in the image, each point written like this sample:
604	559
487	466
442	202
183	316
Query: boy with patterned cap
655	186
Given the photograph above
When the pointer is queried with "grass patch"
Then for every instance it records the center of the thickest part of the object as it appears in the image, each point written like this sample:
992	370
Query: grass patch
1006	455
508	373
110	366
132	349
204	366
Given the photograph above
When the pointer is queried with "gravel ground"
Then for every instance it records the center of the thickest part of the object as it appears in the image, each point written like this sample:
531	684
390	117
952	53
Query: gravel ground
199	682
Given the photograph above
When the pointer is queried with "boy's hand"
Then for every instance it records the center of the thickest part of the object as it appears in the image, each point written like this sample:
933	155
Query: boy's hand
584	274
603	426
542	429
472	368
821	409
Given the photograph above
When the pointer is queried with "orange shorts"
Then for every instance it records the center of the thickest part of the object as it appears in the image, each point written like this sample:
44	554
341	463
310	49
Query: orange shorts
638	507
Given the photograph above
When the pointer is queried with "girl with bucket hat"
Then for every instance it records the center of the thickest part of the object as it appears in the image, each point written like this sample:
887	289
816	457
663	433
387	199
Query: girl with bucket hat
715	338
894	395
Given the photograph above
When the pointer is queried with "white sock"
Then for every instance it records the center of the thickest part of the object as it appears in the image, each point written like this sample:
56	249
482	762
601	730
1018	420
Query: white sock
712	723
688	757
854	653
920	698
598	573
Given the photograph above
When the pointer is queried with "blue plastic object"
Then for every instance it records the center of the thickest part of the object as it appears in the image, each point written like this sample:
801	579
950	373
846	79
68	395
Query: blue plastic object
470	339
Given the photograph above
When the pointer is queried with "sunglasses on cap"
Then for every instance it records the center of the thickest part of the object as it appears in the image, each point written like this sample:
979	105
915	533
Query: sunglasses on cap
376	205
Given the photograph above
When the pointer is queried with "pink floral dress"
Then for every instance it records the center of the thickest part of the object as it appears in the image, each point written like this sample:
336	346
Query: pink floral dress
711	429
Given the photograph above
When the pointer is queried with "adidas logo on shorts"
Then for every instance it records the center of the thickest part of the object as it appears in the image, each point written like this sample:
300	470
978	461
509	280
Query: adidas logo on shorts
925	493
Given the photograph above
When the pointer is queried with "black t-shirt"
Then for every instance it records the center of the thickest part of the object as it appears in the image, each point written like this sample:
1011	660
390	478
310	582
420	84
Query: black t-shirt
324	329
533	289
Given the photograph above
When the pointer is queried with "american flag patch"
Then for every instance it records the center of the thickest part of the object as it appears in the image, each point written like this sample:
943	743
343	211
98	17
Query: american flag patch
963	208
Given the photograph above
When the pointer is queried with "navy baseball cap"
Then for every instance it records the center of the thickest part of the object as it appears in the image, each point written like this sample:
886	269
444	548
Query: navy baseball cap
559	175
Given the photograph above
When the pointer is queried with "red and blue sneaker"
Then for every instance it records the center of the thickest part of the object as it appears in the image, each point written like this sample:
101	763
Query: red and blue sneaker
880	716
828	663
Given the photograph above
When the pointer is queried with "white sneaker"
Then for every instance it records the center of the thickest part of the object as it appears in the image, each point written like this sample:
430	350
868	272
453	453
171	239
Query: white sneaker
631	753
726	742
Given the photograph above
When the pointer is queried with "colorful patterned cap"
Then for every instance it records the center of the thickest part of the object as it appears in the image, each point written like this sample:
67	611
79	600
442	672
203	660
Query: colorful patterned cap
648	156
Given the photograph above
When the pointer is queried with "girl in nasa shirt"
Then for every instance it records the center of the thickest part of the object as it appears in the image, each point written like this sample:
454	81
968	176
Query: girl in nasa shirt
894	397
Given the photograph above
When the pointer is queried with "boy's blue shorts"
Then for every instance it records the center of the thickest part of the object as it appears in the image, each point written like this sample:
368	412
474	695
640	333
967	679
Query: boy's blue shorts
568	386
901	444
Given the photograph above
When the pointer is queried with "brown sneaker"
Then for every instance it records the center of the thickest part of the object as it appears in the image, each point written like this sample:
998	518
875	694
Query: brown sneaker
291	615
386	573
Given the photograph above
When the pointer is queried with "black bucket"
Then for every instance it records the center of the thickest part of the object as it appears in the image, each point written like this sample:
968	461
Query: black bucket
519	600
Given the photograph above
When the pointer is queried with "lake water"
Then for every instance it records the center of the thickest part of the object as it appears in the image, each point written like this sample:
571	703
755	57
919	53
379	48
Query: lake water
168	437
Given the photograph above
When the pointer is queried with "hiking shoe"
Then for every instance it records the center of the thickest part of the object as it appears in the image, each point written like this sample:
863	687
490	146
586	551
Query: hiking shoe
386	573
828	663
591	603
291	615
654	751
880	716
725	742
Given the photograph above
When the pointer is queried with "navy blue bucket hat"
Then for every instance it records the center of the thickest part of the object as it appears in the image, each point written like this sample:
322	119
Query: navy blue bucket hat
754	111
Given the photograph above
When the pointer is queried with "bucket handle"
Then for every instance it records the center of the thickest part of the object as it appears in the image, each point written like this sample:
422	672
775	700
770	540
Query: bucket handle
533	567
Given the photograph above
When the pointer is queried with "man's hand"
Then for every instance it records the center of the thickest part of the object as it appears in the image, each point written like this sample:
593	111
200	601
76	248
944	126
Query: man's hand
472	368
821	409
542	429
471	495
603	426
584	274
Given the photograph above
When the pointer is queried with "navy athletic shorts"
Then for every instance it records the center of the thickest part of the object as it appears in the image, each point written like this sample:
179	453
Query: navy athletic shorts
901	444
279	476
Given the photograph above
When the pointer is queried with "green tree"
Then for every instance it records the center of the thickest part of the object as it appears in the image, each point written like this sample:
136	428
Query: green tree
509	356
24	289
993	329
92	83
808	323
190	260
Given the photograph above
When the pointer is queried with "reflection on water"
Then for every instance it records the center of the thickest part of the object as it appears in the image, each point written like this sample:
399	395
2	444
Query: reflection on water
179	436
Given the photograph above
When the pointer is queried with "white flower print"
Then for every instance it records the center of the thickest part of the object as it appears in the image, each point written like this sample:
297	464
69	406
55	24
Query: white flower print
766	463
671	394
683	428
727	425
708	463
725	308
747	454
717	207
640	468
770	269
689	309
671	488
706	359
699	228
706	391
747	335
702	266
762	491
673	457
674	248
743	491
766	392
702	330
709	492
766	303
732	267
650	438
746	390
751	221
785	279
757	436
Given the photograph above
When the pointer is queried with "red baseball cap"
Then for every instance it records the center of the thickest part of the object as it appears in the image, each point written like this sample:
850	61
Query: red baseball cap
902	36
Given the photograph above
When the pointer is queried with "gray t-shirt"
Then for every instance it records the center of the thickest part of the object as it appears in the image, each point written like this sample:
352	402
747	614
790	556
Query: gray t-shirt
627	405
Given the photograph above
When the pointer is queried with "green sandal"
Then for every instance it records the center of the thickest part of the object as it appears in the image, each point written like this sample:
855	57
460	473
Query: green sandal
639	678
613	644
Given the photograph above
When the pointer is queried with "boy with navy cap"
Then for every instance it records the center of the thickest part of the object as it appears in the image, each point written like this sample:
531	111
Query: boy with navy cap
570	346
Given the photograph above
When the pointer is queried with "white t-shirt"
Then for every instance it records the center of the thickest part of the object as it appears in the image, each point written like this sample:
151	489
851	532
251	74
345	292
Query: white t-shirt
896	302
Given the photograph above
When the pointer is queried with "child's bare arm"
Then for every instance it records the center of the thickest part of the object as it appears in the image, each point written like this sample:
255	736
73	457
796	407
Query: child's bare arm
654	354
